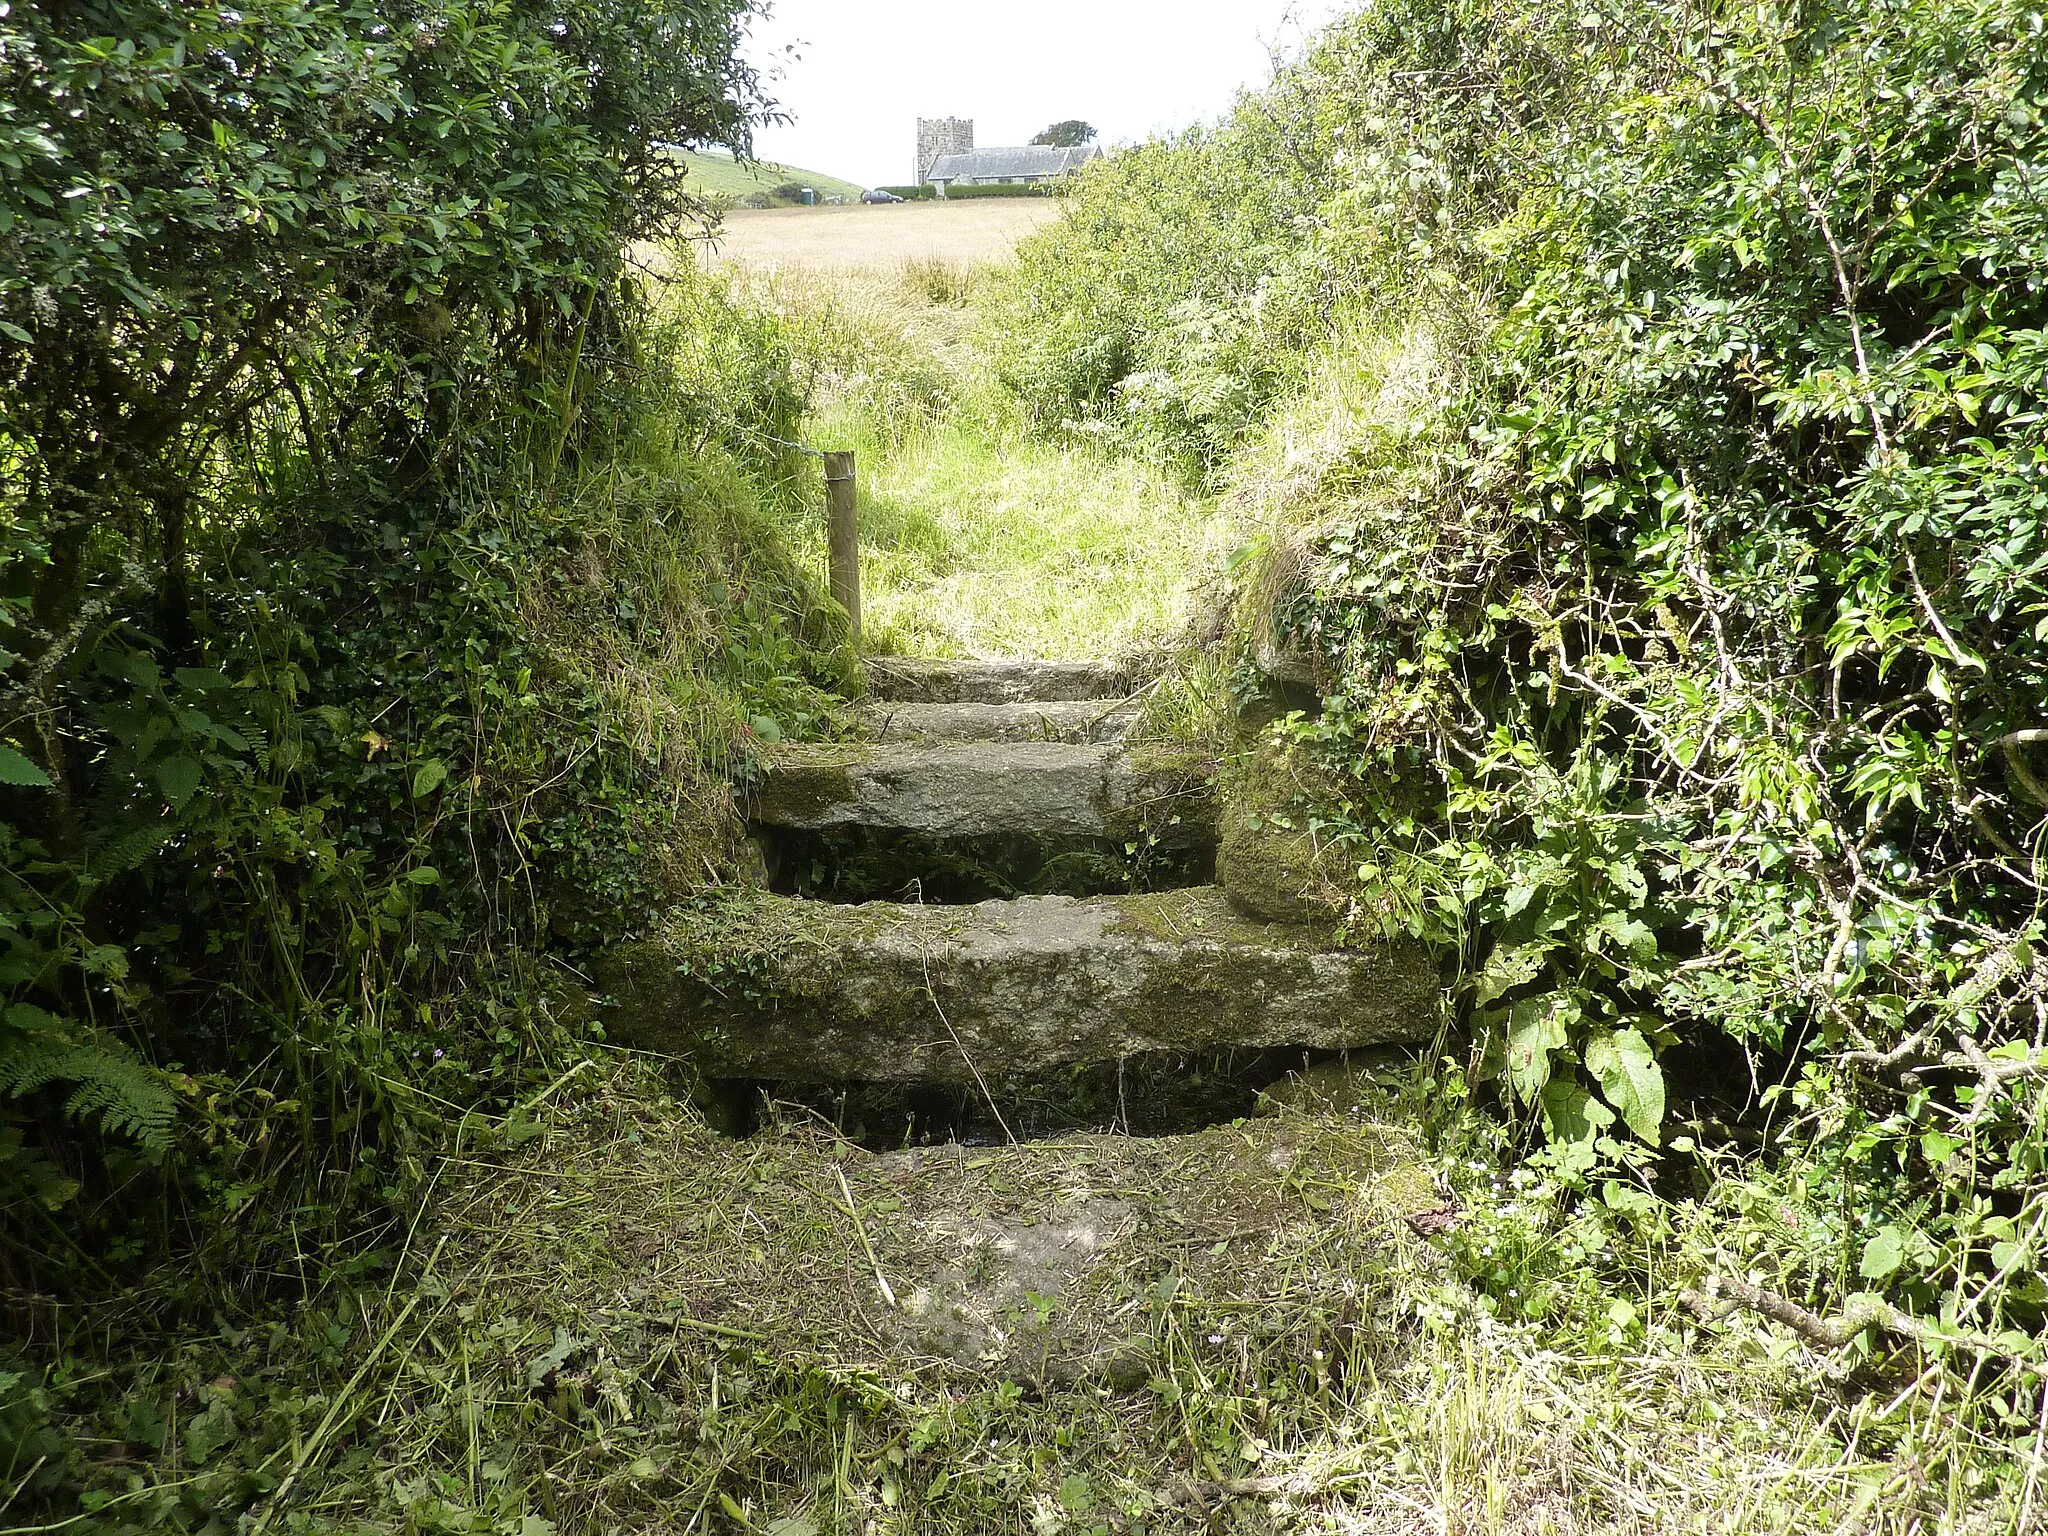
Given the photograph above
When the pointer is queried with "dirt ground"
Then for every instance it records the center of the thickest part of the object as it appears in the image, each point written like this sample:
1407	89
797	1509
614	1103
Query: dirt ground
863	236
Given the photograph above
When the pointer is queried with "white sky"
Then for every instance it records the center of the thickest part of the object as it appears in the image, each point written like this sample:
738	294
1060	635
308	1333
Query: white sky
863	71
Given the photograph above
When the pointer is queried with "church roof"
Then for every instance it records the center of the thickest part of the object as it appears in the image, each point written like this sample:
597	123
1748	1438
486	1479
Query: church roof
1011	164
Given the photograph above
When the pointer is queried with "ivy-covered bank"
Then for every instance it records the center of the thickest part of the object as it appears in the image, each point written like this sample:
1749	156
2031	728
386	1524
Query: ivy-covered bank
1642	411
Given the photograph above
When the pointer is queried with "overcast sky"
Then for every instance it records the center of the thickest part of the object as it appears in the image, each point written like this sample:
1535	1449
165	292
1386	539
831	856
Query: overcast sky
863	71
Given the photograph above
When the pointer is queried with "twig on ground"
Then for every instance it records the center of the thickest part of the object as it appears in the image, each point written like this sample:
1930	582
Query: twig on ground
860	1230
1723	1294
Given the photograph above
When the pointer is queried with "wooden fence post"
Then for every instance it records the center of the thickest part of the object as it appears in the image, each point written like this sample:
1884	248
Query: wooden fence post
843	530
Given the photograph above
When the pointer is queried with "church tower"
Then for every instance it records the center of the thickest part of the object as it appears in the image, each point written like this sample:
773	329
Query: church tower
938	136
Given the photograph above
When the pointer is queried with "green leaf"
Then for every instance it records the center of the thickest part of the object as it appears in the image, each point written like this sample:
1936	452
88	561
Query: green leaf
767	729
1571	1113
1536	1027
425	874
1633	935
1077	1494
180	778
1626	1065
17	770
1883	1254
1938	1147
1508	967
557	1355
430	776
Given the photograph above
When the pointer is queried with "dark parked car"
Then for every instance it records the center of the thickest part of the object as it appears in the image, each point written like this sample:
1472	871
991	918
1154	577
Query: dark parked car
879	196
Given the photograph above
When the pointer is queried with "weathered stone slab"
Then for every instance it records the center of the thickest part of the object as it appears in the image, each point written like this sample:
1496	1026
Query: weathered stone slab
1091	720
909	680
788	989
983	789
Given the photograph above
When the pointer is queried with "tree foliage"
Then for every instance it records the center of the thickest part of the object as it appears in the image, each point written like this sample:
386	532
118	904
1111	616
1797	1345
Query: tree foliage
1070	134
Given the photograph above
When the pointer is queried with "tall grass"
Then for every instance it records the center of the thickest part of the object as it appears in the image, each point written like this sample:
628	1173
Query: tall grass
980	537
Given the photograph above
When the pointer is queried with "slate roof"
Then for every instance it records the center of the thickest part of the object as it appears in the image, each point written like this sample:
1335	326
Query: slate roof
1028	160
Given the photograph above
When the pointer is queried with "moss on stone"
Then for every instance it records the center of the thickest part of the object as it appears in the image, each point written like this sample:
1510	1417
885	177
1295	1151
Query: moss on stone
802	785
1267	861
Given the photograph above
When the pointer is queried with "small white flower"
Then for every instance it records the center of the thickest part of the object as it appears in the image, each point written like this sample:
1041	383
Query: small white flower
1215	1338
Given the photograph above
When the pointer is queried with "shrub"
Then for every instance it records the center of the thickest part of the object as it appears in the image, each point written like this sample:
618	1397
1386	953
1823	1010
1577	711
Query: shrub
313	320
1016	189
1669	550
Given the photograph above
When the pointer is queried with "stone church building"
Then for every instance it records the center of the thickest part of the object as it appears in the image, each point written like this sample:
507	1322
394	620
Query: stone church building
946	157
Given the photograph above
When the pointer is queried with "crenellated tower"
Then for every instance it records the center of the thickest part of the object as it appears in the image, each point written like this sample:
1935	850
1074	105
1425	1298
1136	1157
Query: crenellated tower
938	136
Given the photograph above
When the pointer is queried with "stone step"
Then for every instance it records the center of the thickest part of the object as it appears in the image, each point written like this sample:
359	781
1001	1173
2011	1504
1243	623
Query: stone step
1090	720
982	789
775	987
912	680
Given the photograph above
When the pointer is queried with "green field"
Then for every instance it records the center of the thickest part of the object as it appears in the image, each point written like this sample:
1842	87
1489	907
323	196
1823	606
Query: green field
722	176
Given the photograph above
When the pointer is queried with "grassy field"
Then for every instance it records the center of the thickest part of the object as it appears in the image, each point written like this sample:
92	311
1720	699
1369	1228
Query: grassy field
978	537
723	177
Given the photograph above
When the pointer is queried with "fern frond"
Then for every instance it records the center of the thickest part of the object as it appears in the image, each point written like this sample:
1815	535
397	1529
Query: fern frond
125	1094
117	852
26	1065
113	1085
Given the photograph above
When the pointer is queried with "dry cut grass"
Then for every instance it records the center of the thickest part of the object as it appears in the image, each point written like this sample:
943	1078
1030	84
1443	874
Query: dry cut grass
632	1325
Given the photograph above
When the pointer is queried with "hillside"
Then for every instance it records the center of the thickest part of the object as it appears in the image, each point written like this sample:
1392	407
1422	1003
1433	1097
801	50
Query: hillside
723	176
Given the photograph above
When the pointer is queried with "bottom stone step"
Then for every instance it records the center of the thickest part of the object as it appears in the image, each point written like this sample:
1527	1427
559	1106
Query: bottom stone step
799	991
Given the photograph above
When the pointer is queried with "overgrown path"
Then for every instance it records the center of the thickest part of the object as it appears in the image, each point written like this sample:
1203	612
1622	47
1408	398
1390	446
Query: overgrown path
984	534
1002	1200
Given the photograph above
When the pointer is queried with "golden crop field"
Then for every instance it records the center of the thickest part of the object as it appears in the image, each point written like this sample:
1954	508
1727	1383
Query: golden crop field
863	236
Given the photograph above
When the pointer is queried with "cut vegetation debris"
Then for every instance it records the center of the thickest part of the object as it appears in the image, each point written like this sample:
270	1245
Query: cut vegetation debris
630	1323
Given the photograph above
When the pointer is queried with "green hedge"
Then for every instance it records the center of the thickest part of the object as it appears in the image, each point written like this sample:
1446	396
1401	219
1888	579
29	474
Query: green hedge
1039	189
922	194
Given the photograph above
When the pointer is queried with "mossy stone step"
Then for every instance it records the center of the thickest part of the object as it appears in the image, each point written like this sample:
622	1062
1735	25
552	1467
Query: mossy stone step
910	680
1087	720
775	987
986	789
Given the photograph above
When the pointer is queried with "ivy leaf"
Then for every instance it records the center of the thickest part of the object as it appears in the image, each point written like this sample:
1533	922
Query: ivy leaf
17	770
1883	1254
179	777
1627	1068
430	776
1536	1027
